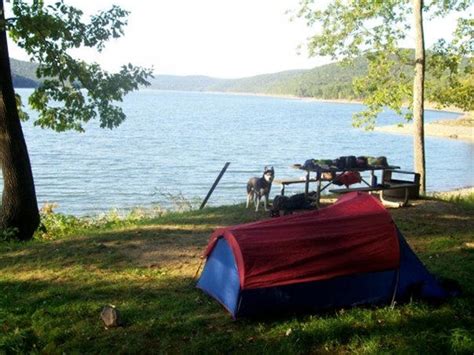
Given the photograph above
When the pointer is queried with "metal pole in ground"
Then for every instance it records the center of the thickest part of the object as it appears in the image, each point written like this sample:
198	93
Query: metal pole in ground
214	185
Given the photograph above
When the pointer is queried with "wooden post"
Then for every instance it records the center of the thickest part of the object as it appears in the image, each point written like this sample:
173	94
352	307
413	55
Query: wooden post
214	185
318	189
306	185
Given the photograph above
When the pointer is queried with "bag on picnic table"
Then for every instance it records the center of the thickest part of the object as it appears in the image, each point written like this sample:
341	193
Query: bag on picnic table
362	162
379	161
309	164
346	162
348	178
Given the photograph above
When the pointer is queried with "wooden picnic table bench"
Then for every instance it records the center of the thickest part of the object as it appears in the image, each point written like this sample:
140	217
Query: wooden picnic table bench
334	173
388	184
285	182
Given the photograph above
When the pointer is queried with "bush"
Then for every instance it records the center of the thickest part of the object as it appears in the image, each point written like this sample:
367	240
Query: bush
55	225
8	234
58	225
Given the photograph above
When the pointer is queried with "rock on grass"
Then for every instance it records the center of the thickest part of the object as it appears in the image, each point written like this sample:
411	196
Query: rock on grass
111	317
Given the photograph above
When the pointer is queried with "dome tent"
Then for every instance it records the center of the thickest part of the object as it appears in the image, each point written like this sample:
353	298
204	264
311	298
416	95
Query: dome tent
350	253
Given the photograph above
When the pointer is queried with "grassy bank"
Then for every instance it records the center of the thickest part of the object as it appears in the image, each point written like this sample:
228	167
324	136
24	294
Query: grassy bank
52	291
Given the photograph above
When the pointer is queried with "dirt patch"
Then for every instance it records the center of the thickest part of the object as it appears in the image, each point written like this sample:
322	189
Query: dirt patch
171	249
178	249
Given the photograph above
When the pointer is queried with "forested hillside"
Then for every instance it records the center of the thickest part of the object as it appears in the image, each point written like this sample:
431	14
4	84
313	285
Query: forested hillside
331	81
23	74
328	81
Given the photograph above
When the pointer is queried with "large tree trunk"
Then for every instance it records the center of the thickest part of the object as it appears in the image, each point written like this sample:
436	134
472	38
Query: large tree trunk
19	208
418	96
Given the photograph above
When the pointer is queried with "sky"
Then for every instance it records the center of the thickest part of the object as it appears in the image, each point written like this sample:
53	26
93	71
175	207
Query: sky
219	38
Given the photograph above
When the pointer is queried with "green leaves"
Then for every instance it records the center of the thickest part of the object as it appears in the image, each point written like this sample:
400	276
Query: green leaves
19	105
348	29
106	25
73	92
451	66
375	29
386	85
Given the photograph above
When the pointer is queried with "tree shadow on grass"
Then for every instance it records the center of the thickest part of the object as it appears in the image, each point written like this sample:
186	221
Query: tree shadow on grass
170	315
52	294
431	218
114	251
174	241
59	313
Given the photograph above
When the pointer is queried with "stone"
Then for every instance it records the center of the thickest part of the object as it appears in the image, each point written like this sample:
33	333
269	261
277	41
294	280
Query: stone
111	317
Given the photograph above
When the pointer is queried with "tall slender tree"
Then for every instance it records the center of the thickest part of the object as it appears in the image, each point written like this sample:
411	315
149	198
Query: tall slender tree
374	29
85	91
419	94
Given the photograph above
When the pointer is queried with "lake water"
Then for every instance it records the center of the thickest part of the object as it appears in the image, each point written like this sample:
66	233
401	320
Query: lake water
177	142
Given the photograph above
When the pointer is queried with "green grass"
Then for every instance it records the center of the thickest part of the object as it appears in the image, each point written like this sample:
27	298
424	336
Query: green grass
464	199
53	289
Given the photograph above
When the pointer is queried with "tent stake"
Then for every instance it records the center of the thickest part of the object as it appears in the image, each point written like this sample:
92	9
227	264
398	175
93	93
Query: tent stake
214	185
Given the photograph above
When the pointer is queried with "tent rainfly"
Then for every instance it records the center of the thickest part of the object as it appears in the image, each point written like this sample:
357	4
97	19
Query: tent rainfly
350	253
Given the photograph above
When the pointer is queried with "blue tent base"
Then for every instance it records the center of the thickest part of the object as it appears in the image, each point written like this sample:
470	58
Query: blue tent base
220	279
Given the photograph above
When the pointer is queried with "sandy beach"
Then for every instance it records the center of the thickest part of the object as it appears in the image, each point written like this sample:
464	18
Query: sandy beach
461	128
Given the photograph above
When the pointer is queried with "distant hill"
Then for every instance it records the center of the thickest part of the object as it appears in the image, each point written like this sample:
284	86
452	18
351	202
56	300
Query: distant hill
328	81
24	74
331	81
22	82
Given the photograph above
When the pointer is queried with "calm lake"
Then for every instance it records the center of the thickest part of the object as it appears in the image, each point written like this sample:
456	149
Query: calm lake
177	142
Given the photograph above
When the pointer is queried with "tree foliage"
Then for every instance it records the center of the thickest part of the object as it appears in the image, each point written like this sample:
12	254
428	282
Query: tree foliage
452	68
71	93
84	91
375	29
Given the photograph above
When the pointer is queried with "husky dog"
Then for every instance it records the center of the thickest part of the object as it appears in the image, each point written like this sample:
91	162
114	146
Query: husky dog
258	188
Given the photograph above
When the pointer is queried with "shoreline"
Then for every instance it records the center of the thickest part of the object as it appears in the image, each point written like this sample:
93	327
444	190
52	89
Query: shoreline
145	212
428	106
461	128
444	128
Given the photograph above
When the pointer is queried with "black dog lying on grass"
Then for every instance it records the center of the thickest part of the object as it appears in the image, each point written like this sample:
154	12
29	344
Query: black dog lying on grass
286	205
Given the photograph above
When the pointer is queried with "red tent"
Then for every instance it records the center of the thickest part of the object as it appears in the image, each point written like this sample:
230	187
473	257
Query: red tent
343	239
347	254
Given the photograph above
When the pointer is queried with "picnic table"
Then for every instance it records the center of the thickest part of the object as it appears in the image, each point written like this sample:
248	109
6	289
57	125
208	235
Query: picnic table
326	176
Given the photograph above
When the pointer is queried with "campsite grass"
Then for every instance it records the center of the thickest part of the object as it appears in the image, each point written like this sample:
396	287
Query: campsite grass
53	289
